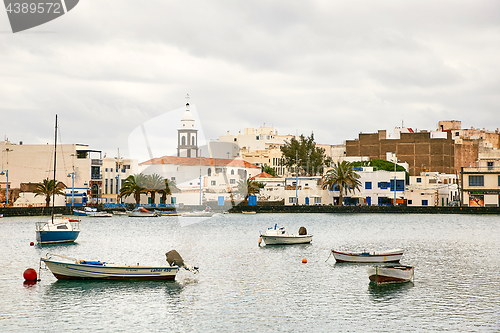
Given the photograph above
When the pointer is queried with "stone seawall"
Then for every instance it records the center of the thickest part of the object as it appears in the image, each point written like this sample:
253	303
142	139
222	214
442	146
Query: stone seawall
40	211
367	209
34	211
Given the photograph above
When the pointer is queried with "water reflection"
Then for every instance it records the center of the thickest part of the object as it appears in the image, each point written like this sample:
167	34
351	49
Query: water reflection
382	293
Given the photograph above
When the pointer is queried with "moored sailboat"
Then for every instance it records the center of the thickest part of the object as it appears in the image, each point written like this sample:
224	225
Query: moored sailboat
57	230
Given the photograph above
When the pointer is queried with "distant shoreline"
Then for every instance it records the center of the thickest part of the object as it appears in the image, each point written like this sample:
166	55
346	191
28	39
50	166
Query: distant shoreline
270	209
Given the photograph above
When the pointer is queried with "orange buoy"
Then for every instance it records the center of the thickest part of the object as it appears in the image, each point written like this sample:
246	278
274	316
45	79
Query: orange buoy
31	244
304	261
30	274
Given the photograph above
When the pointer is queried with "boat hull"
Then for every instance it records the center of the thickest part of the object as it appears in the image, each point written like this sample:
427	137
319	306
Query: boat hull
396	274
70	271
286	239
386	256
133	214
56	237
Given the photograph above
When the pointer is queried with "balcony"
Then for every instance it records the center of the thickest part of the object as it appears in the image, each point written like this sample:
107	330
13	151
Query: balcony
95	161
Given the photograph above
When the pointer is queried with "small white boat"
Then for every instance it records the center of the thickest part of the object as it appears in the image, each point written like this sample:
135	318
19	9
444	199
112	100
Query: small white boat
73	269
99	214
367	257
280	236
141	212
167	213
202	213
85	211
248	212
390	274
119	212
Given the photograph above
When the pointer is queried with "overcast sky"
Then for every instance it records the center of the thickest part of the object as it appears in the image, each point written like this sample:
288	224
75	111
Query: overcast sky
335	68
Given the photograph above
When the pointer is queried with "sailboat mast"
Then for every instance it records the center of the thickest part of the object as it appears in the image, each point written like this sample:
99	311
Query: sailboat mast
55	164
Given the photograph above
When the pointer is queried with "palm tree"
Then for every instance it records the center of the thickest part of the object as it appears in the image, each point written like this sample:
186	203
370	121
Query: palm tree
248	187
47	189
342	176
133	185
170	187
154	183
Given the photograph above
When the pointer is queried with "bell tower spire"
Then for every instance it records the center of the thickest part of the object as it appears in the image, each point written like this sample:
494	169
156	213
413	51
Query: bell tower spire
187	135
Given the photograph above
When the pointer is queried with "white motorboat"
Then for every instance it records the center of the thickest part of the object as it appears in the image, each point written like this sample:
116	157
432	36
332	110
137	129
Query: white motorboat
367	257
73	269
390	274
202	213
141	212
99	214
279	236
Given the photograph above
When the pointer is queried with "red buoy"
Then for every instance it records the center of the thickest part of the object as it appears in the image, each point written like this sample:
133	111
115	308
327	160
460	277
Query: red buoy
31	244
304	261
30	274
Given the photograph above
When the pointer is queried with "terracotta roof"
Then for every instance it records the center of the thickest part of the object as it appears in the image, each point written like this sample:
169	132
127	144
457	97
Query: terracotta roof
263	175
196	161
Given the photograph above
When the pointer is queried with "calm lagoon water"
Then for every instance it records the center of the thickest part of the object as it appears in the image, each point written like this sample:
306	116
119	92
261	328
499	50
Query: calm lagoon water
242	287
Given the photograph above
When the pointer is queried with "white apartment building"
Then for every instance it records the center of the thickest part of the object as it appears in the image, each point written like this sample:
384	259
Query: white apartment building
432	189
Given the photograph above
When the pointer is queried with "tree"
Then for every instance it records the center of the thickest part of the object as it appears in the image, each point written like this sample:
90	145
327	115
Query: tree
47	189
133	185
154	183
268	169
342	176
305	154
247	187
170	187
378	164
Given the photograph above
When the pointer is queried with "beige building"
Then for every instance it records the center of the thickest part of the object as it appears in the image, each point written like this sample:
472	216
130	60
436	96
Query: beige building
115	170
77	167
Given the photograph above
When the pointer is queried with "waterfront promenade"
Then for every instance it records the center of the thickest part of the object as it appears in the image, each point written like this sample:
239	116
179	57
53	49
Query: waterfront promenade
40	211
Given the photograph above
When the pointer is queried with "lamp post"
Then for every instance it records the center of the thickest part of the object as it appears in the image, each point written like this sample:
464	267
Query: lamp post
72	175
394	182
118	198
199	155
7	173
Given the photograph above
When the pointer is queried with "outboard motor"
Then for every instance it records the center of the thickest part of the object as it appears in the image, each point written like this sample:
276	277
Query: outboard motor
302	231
175	259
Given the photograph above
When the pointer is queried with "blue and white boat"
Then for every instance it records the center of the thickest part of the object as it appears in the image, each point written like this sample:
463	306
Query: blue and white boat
57	229
84	212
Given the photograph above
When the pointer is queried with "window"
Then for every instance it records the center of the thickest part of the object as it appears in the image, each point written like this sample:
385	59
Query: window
183	141
410	202
257	137
192	141
368	185
457	133
419	180
383	185
291	200
172	179
213	182
400	185
106	185
490	165
425	203
232	181
232	172
111	186
209	172
498	180
476	180
317	200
